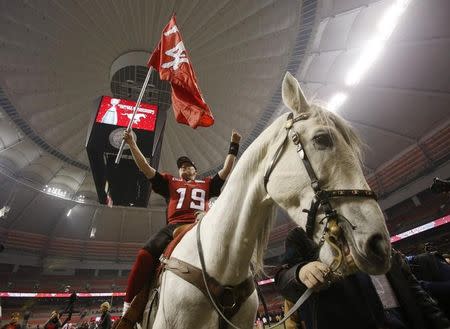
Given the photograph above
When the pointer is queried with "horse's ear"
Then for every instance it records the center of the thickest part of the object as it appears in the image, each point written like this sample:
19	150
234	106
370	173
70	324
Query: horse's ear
293	95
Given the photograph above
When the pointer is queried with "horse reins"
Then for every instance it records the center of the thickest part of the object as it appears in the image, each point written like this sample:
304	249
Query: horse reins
294	308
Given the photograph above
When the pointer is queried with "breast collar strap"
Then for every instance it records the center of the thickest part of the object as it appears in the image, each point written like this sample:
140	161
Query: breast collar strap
321	197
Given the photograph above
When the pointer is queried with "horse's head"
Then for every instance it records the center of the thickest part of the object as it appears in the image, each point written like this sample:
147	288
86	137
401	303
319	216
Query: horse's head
344	217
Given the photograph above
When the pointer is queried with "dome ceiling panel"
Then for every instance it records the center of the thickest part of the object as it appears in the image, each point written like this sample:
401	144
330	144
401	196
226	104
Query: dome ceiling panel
25	200
336	7
411	63
339	69
375	154
156	201
217	43
337	30
322	91
87	188
9	134
21	153
320	66
363	25
77	225
108	224
71	177
311	89
138	225
47	163
394	110
425	20
46	217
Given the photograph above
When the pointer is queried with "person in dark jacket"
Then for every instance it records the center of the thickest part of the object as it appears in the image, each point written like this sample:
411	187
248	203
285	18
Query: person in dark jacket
392	301
105	318
433	273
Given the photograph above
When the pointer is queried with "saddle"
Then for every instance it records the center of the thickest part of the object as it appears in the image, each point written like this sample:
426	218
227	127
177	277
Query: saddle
137	307
228	298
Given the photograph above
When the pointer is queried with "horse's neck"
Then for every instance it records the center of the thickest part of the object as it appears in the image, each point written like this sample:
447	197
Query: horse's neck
231	228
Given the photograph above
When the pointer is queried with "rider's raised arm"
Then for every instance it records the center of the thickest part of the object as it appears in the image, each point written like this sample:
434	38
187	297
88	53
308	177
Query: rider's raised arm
138	157
231	156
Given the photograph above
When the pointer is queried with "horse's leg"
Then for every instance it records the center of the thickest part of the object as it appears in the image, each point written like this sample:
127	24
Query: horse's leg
183	306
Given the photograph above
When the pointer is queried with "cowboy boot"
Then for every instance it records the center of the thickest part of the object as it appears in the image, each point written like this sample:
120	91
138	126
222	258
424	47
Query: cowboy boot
134	313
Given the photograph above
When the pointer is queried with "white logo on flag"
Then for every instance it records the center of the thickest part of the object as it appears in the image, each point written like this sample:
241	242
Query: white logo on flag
178	54
174	29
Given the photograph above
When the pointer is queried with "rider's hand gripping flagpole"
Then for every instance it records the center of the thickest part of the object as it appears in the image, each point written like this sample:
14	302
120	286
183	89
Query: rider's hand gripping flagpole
138	103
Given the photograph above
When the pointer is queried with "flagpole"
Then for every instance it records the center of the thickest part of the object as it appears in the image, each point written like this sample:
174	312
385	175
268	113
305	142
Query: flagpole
144	86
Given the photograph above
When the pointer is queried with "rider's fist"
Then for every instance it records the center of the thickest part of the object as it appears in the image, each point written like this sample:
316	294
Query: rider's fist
235	137
128	137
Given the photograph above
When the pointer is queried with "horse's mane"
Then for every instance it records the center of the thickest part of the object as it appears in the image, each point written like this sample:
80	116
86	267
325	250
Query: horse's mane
257	260
328	118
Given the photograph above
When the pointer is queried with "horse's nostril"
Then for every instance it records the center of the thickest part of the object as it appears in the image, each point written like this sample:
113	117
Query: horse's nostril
376	246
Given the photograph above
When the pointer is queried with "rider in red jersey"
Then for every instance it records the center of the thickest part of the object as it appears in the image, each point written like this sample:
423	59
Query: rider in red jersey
185	196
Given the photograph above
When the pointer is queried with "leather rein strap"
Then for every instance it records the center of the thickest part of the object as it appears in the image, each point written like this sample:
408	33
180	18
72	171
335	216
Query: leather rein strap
229	298
226	315
225	311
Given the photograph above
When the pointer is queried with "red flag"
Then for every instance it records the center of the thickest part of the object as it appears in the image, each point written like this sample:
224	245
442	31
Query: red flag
172	62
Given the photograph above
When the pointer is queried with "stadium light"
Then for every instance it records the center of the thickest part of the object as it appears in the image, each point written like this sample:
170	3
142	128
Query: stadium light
336	101
69	212
368	56
93	231
390	19
4	211
375	45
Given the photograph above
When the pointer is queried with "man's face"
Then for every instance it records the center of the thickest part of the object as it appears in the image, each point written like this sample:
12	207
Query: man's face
103	308
187	171
14	318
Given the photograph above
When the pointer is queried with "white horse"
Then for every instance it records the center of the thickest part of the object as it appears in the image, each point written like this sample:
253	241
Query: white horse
236	228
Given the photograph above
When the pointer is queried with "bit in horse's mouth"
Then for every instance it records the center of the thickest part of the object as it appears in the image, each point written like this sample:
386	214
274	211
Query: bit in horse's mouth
346	249
348	258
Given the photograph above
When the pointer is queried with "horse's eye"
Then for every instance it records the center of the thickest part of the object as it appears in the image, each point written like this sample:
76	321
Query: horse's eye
323	141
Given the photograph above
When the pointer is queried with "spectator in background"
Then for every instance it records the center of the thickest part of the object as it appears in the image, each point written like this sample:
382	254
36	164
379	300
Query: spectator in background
447	258
433	273
53	322
13	322
105	318
392	301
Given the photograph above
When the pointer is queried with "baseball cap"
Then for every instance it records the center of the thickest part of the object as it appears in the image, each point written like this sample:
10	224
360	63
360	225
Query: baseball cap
185	159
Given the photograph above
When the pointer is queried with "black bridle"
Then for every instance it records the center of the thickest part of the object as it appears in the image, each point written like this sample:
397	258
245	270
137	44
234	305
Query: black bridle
321	197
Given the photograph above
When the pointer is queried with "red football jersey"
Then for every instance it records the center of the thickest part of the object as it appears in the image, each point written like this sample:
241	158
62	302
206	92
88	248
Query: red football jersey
186	198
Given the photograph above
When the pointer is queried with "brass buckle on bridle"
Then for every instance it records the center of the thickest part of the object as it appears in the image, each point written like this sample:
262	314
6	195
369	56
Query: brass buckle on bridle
228	292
